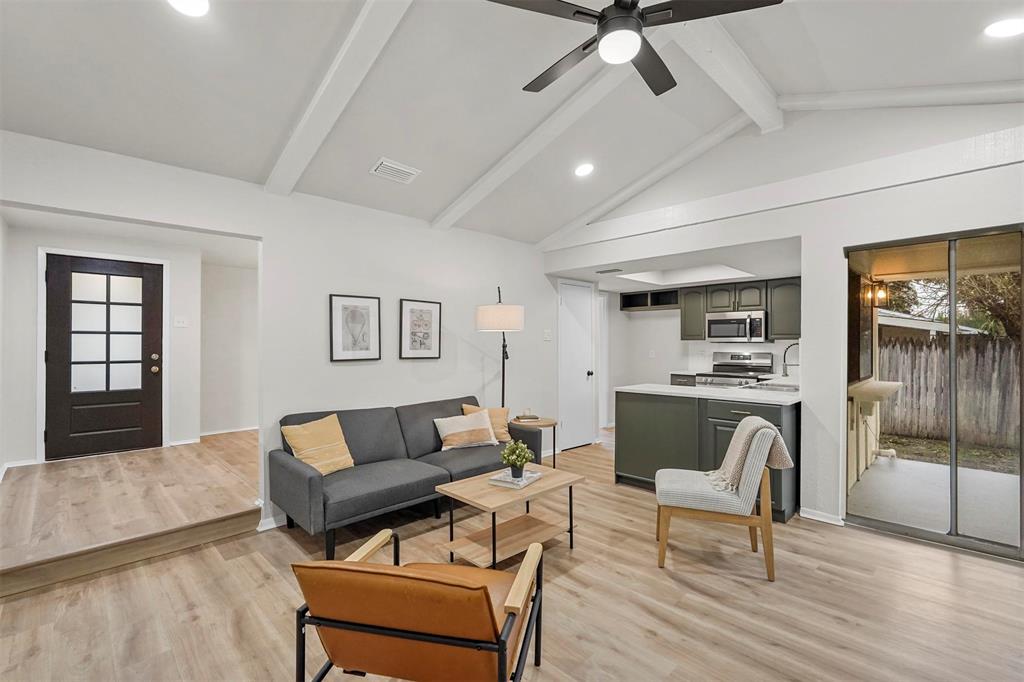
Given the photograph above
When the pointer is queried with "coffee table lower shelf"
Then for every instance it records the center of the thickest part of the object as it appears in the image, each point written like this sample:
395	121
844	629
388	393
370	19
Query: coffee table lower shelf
514	537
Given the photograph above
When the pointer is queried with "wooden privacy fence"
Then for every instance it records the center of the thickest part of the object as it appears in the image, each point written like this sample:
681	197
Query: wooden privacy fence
988	385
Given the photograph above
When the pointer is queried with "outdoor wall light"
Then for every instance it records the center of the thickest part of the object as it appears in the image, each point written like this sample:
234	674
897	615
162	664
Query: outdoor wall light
877	294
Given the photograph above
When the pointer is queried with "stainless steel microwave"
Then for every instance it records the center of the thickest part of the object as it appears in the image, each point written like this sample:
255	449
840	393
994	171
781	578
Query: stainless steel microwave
746	326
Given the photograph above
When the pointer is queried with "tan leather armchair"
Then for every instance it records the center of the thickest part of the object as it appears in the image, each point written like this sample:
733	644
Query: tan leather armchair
419	621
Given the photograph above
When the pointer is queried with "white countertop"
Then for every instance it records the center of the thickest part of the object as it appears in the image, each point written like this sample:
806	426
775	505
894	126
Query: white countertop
743	395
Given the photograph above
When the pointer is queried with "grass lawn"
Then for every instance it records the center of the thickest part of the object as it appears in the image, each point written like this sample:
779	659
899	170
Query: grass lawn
1003	460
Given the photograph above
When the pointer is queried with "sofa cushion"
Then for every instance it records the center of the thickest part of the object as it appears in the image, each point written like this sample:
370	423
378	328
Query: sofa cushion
498	417
320	444
418	423
465	431
372	487
467	462
372	434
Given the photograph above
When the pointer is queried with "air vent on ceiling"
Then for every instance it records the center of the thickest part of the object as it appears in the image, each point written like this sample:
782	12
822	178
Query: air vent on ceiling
392	170
608	272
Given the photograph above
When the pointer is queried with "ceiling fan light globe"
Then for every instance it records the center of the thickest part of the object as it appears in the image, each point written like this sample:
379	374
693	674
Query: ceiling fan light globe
619	46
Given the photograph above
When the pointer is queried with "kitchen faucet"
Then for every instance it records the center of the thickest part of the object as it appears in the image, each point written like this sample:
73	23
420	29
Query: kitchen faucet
785	365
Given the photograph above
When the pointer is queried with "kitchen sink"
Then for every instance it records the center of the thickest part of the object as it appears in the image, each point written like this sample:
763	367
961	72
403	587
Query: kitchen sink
773	387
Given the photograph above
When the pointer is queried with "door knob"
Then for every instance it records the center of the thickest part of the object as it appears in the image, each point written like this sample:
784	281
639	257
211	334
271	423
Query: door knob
154	369
154	356
590	372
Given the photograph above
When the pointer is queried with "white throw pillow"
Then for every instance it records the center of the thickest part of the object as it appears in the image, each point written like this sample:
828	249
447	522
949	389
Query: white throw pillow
465	431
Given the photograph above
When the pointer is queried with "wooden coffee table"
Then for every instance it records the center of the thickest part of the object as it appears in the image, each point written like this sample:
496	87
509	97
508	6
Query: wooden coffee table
487	547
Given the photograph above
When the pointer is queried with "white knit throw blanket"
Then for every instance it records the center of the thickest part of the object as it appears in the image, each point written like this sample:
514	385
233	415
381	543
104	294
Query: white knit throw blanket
727	477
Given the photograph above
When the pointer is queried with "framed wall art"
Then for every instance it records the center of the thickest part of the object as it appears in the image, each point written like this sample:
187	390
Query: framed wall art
355	328
419	329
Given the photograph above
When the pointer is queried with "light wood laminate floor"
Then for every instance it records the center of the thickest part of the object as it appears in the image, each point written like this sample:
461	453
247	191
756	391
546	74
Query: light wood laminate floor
58	508
848	604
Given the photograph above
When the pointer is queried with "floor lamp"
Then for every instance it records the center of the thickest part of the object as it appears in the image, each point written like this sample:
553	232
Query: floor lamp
500	317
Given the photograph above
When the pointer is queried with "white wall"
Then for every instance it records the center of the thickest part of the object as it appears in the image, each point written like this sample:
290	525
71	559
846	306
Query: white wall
20	348
313	247
230	349
3	270
988	193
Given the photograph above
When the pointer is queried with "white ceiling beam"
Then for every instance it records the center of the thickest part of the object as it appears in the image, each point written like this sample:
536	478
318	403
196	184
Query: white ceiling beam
373	27
684	156
572	110
1001	92
709	45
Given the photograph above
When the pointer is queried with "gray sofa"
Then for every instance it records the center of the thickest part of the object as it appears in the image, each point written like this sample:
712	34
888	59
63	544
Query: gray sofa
398	462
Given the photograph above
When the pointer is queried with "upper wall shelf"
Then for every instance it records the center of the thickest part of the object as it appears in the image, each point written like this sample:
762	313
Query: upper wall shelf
660	299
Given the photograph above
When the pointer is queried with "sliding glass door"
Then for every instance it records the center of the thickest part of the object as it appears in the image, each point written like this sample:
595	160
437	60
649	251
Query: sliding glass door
987	365
935	430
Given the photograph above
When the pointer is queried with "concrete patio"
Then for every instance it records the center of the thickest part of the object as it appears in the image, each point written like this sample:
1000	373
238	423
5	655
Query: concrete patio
916	494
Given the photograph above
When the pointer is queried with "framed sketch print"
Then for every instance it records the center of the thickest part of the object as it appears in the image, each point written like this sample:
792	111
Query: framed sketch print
419	329
355	328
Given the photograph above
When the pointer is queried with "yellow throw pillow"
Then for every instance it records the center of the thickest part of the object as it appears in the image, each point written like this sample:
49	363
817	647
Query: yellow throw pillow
465	431
499	420
320	444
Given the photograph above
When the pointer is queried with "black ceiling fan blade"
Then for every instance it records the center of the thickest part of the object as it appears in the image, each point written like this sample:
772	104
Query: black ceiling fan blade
653	70
674	11
556	8
562	66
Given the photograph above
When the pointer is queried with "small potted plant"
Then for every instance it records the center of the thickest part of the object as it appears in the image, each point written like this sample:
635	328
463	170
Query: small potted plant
516	455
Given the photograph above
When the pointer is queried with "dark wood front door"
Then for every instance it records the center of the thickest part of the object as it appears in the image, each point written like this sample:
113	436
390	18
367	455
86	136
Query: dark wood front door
104	356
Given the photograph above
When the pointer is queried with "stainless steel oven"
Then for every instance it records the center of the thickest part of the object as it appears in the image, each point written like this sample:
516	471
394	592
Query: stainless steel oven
737	327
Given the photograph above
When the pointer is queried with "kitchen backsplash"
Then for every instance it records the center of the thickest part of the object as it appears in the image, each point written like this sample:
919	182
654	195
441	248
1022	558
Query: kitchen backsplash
634	337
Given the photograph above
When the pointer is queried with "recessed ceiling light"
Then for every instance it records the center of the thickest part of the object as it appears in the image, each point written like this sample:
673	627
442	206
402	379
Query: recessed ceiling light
191	8
1007	28
584	169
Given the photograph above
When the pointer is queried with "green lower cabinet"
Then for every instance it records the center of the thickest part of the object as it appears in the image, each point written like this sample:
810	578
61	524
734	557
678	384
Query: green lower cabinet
654	432
661	432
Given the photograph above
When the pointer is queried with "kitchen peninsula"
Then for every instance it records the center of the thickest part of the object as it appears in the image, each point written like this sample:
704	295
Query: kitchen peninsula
660	426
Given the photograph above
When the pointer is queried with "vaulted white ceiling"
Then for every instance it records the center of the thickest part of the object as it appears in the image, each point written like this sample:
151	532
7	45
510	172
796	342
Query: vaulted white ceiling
224	94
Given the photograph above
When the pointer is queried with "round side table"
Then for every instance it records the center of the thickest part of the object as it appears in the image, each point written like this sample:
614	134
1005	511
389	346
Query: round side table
544	423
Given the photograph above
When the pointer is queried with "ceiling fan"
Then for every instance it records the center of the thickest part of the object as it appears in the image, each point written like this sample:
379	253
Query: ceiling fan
620	37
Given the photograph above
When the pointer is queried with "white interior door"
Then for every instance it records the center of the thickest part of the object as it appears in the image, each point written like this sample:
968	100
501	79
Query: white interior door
576	380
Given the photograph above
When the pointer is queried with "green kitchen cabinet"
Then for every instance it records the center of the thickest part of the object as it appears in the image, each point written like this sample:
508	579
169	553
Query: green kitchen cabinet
718	422
725	298
691	314
721	298
751	296
784	308
654	432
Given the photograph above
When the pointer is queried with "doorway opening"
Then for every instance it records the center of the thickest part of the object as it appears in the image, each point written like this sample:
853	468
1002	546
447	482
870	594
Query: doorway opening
934	393
106	391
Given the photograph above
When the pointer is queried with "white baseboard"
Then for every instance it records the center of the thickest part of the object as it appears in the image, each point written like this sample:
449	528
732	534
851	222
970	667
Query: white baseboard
16	463
187	441
240	428
269	524
815	515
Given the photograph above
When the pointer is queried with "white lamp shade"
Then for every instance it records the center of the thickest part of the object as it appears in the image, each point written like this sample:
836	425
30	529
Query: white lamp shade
499	317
